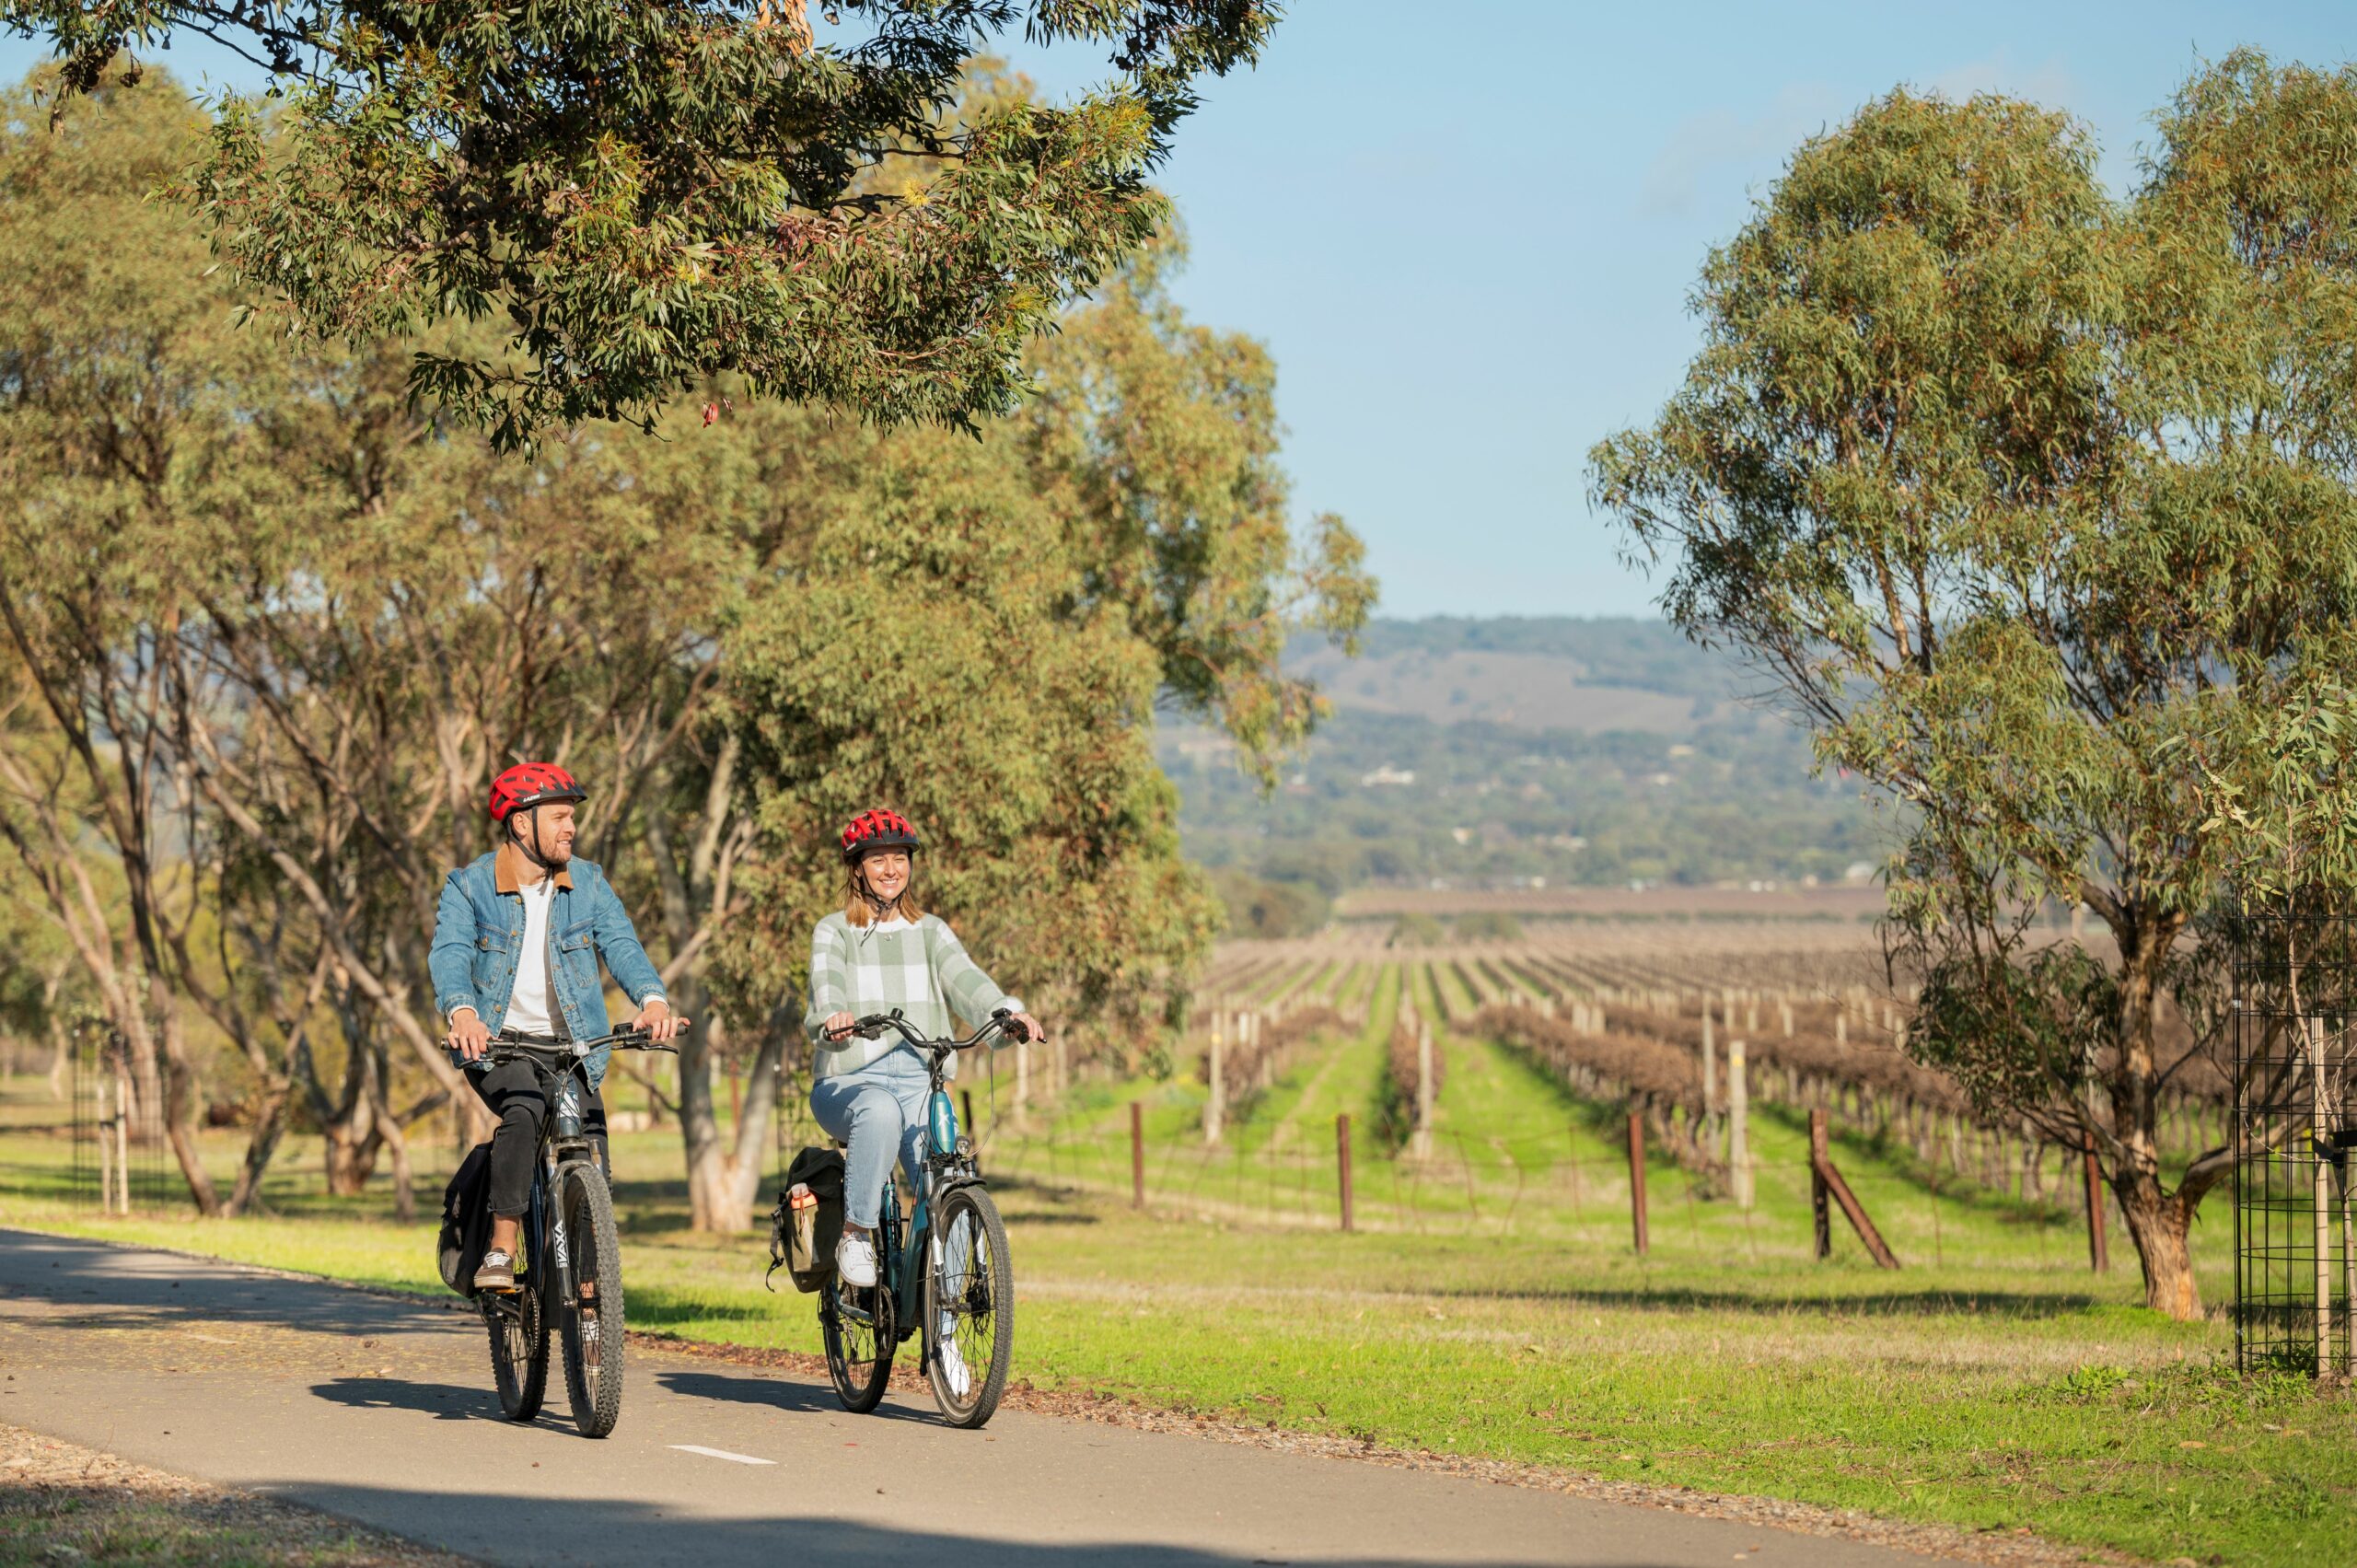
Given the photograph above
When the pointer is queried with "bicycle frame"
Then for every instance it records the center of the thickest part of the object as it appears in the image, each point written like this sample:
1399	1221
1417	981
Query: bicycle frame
949	1164
565	1138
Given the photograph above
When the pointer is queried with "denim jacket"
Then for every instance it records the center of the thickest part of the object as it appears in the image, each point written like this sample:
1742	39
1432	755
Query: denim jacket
480	924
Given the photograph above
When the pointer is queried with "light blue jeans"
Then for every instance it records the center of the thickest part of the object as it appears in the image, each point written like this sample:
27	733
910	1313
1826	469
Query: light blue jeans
876	1111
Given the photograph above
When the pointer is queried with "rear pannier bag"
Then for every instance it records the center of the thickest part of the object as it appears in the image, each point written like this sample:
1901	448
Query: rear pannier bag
465	1221
803	1239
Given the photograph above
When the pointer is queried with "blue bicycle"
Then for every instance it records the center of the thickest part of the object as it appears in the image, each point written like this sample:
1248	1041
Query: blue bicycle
950	1282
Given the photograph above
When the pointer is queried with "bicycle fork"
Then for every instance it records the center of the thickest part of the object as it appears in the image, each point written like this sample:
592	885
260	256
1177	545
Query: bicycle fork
577	1296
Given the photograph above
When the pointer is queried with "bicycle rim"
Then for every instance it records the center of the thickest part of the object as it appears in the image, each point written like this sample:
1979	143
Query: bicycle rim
856	1326
519	1356
592	1321
969	1303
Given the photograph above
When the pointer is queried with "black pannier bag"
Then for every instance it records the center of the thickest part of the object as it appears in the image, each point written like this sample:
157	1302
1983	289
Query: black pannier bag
465	1221
802	1240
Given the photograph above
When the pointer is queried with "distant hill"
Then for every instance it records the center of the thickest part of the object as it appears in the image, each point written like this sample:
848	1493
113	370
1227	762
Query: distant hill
1521	751
1590	675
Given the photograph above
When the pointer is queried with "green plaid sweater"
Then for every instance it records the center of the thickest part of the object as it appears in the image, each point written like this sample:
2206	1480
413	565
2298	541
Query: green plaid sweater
923	969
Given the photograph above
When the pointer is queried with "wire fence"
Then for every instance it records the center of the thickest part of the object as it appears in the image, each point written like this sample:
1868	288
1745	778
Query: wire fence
115	1114
1559	1185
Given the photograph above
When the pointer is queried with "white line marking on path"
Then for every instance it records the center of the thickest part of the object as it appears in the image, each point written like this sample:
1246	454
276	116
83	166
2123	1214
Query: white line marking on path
720	1454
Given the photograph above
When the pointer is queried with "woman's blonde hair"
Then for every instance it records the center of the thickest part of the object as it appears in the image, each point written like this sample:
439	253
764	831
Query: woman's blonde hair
859	909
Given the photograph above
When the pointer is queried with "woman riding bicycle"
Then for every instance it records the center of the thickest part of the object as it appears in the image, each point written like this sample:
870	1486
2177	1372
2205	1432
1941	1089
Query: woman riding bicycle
882	952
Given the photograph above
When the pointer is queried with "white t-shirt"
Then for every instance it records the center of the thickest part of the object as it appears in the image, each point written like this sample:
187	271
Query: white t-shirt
531	1010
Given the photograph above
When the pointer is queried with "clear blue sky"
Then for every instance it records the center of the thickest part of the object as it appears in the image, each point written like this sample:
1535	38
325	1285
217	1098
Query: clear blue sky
1467	232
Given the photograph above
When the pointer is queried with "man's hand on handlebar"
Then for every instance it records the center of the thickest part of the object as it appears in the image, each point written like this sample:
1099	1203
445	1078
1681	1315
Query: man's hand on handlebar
657	1021
468	1035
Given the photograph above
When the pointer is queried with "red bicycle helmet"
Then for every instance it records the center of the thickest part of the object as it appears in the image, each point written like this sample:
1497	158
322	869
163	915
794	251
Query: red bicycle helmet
878	829
527	784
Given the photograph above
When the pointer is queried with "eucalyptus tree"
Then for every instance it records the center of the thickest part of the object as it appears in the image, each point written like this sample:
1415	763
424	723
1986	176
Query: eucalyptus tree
646	194
2026	500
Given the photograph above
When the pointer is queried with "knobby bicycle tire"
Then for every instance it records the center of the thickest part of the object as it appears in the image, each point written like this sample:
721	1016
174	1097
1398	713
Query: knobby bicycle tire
591	1324
519	1355
859	1355
970	1278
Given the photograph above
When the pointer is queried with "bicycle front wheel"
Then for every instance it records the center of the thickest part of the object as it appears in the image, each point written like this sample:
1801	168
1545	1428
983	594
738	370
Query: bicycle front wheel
519	1351
970	1307
856	1326
592	1320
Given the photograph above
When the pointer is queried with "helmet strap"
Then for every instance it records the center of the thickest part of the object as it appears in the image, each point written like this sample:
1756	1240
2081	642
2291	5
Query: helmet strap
882	906
532	850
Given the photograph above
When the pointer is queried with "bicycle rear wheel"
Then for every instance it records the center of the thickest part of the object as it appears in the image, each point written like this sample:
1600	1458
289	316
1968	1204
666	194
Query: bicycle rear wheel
592	1321
856	1325
969	1304
519	1351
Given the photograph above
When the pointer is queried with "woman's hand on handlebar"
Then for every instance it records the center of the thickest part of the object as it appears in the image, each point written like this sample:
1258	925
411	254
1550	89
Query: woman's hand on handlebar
839	1026
469	1036
1022	1028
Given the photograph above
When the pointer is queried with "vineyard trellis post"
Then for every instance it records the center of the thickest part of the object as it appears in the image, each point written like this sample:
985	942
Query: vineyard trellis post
1137	1154
1423	1139
1738	1125
1343	1163
1214	1103
1637	1179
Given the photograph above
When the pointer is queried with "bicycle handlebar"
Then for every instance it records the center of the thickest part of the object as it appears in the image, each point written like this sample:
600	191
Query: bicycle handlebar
1001	1022
497	1050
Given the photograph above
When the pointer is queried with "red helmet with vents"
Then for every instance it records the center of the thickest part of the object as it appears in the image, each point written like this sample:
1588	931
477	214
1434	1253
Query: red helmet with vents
527	784
878	829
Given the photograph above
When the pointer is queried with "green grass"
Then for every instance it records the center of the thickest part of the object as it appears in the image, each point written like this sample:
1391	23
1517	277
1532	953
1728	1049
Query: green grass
1992	1384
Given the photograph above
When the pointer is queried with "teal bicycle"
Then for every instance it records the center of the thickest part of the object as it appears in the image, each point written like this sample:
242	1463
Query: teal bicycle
948	1284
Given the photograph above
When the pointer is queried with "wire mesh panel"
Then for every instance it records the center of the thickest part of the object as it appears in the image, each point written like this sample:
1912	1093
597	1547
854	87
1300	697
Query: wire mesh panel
121	1159
2295	1255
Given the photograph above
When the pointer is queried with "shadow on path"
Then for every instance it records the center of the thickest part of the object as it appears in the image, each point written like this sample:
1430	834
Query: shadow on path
152	1289
526	1528
773	1393
444	1402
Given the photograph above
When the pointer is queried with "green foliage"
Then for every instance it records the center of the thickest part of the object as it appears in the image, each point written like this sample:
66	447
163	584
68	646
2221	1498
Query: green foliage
1488	925
317	615
647	194
2033	504
979	633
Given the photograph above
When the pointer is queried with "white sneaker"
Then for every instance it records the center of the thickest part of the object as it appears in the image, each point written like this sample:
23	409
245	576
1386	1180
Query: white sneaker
855	1260
953	1369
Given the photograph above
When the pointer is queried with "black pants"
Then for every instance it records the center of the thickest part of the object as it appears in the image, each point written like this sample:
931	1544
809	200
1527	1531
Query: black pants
518	1095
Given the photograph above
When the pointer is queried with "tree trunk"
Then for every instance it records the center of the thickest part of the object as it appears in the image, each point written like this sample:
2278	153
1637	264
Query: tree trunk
2157	1220
354	1133
260	1149
2159	1225
724	1175
352	1153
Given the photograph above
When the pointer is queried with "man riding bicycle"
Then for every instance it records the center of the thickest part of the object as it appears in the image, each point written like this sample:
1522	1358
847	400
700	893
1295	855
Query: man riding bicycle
518	938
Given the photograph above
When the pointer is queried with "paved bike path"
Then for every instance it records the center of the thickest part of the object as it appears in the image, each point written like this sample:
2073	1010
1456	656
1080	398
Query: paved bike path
379	1409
